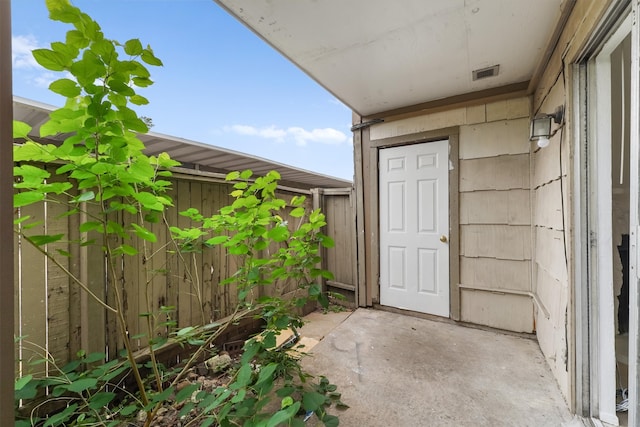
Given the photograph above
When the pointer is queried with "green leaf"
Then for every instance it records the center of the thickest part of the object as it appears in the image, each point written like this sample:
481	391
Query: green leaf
148	57
28	390
44	239
312	400
20	129
61	10
84	197
142	81
149	201
327	241
286	402
185	409
278	234
88	69
61	417
94	357
50	59
82	384
90	226
76	39
232	176
31	151
186	392
297	212
121	87
21	382
145	234
246	174
128	410
100	400
297	200
243	378
330	420
217	240
283	415
139	100
127	250
240	396
27	198
133	47
185	331
65	87
314	290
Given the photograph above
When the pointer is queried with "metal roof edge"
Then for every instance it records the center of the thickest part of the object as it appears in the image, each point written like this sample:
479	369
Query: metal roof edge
313	177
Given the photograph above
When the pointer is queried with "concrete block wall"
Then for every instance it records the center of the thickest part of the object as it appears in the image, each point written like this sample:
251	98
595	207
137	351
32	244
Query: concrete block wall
552	245
495	218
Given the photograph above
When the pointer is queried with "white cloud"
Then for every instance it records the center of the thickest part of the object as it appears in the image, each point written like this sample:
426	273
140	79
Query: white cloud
25	66
44	79
299	135
21	57
270	132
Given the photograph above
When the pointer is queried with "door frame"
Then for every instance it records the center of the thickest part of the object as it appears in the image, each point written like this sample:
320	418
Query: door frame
595	362
452	135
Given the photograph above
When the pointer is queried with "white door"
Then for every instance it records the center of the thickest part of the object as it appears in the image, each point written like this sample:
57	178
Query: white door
414	227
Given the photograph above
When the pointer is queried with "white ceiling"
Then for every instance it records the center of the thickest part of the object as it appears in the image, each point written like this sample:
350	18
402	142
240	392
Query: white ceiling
380	55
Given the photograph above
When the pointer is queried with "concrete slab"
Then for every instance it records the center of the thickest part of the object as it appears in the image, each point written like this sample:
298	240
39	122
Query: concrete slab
397	370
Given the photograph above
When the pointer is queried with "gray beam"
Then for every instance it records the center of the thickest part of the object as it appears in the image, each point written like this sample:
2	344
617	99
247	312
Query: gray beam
6	219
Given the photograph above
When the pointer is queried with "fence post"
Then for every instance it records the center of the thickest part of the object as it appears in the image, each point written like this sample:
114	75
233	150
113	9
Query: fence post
6	220
317	195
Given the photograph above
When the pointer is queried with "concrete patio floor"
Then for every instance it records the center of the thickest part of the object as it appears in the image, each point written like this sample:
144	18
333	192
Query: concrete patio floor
398	370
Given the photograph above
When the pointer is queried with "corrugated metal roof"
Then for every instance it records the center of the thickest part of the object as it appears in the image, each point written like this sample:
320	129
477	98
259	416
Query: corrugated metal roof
193	154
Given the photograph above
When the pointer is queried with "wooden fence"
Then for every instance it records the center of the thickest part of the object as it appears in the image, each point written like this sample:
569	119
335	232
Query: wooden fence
53	314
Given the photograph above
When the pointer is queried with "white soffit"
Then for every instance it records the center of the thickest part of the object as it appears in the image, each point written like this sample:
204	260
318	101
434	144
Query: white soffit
379	55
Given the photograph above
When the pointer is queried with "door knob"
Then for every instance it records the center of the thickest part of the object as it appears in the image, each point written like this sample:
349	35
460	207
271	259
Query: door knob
443	238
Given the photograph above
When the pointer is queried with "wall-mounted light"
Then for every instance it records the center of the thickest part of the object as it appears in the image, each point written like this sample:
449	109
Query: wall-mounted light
541	126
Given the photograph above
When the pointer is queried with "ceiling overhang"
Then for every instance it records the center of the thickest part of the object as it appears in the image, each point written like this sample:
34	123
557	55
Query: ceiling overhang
378	56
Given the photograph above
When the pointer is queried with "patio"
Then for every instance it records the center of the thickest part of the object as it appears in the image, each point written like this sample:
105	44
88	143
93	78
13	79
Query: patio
398	370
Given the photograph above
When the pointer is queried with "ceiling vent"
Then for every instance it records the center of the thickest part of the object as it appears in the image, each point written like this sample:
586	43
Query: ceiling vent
483	73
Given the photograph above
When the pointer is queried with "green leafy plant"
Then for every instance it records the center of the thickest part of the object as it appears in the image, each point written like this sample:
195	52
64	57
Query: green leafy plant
270	251
99	172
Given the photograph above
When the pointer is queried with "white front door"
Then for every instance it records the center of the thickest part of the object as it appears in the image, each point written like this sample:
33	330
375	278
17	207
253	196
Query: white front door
414	227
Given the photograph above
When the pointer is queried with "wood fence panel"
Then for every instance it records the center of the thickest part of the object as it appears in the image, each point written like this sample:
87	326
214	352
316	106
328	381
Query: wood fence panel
17	298
183	202
33	298
115	277
133	288
223	292
220	199
197	301
94	274
158	275
53	312
172	275
341	259
58	282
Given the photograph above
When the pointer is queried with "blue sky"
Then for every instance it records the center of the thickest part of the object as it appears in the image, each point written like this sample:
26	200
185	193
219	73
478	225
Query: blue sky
220	84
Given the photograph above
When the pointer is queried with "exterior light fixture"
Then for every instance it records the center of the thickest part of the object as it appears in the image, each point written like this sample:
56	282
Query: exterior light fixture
541	126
